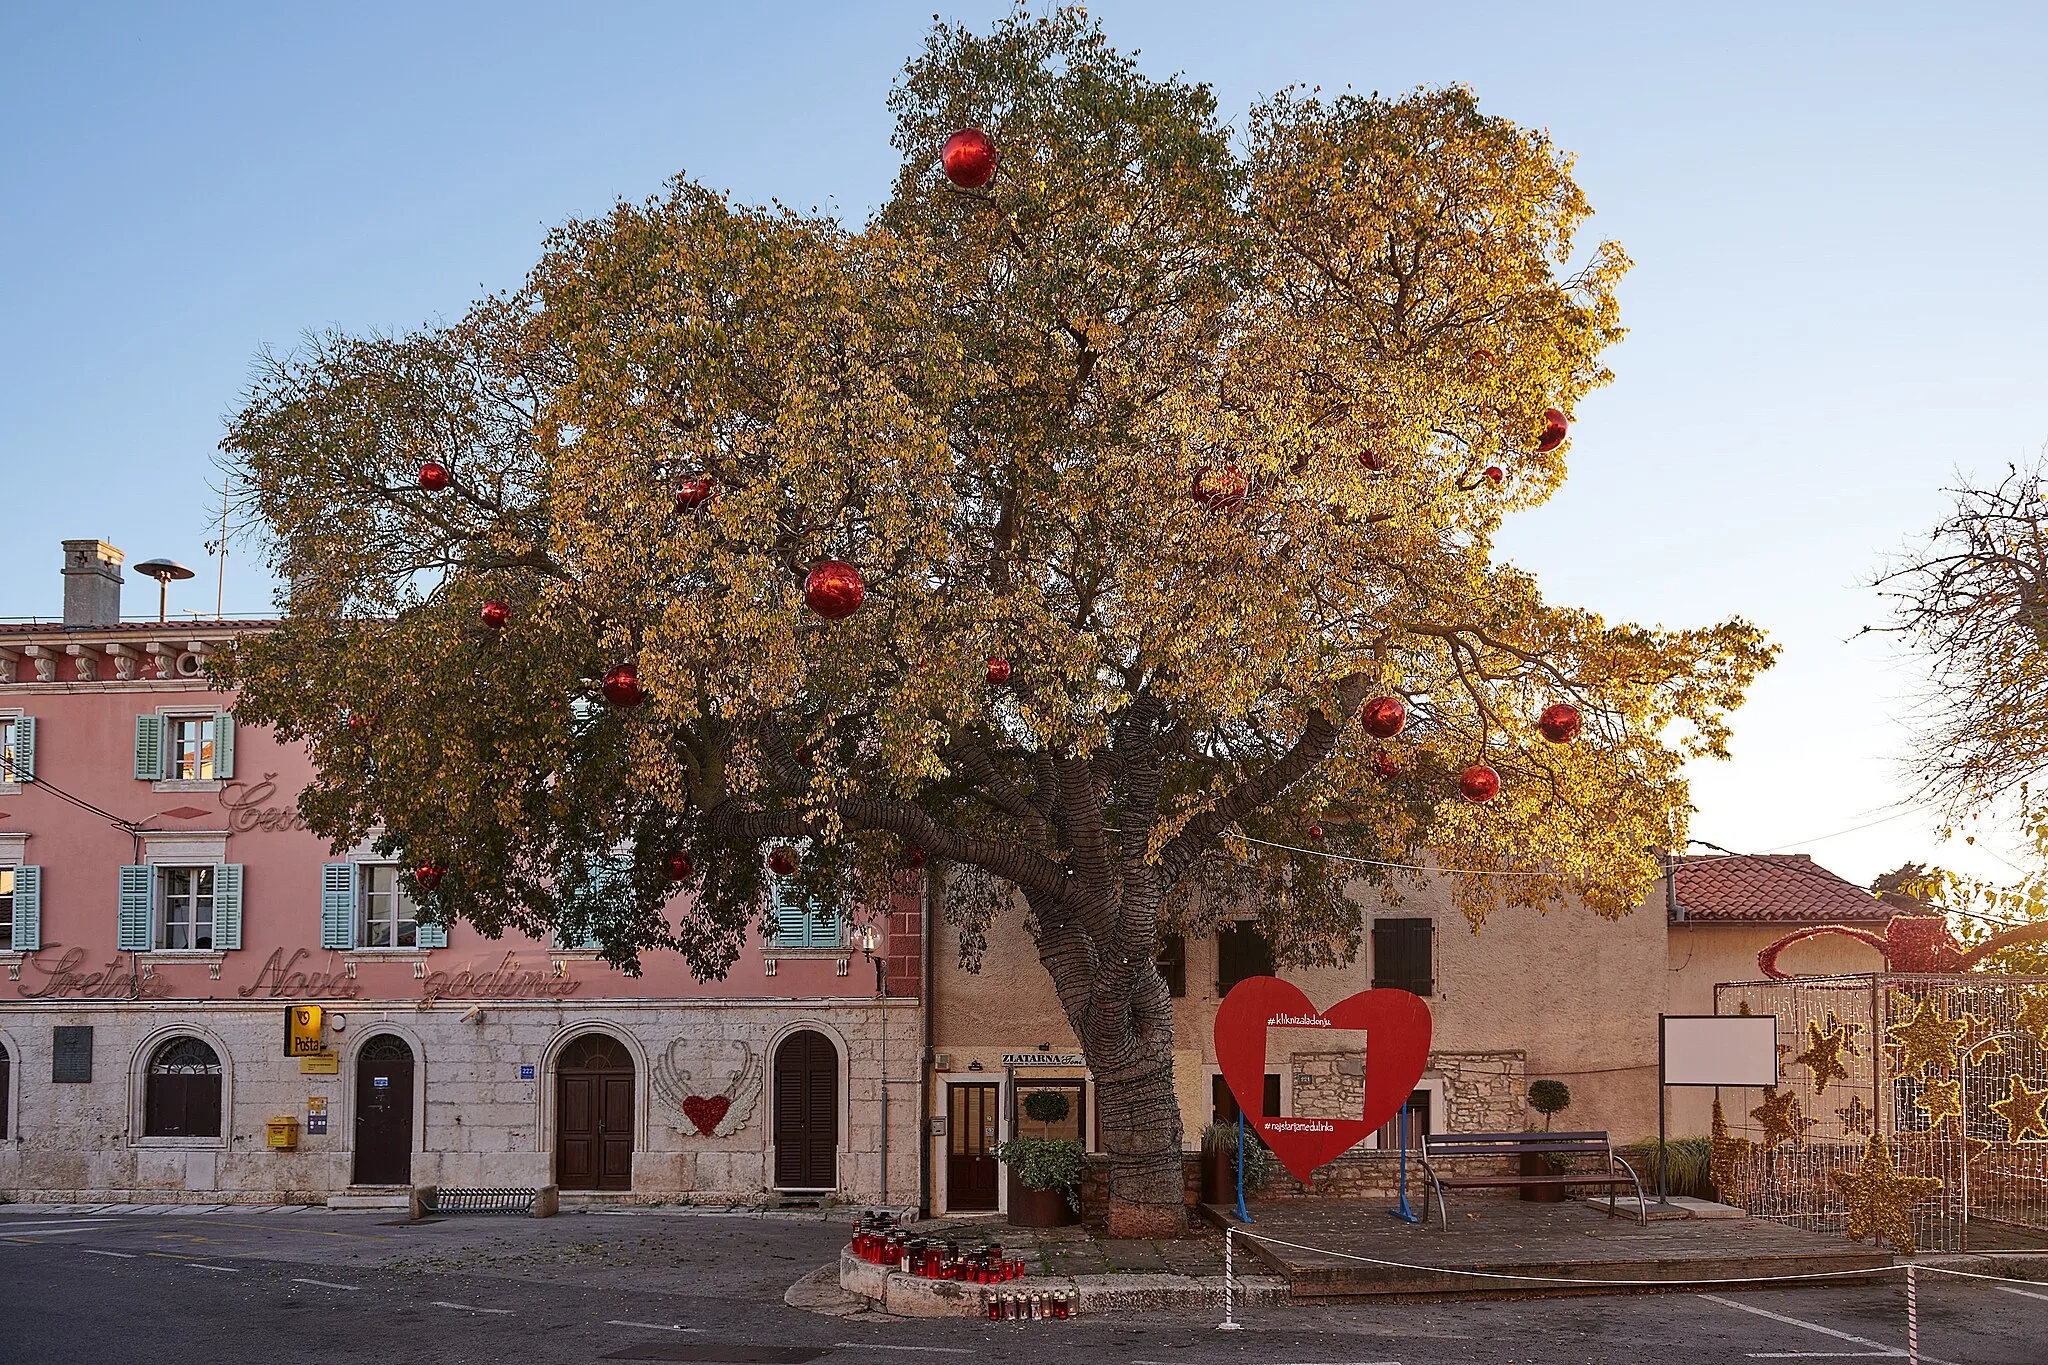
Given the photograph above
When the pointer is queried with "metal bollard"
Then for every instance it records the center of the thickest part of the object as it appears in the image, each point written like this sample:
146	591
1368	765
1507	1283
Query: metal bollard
1912	1318
1230	1322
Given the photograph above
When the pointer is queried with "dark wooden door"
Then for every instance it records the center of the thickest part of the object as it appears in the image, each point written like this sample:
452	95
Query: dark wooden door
594	1115
806	1113
970	1147
384	1112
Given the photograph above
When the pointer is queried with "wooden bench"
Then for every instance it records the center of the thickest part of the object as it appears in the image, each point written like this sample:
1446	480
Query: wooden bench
1442	1147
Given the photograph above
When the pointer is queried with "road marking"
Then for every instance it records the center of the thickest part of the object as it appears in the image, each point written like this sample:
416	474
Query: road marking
58	1232
327	1284
1881	1348
11	1224
468	1307
2024	1293
321	1232
95	1251
224	1269
652	1326
877	1346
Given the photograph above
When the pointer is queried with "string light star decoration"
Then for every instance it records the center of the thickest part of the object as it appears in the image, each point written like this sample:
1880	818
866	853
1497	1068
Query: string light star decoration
1825	1049
2021	1110
1856	1116
1879	1197
1940	1101
2033	1014
1781	1118
1728	1151
1929	1038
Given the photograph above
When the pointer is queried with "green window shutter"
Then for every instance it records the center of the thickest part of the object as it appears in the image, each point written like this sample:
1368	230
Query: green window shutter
800	922
338	906
25	749
223	745
432	935
136	903
149	748
227	905
28	909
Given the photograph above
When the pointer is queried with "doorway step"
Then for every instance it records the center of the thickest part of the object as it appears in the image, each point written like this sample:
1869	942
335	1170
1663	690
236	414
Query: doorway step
371	1197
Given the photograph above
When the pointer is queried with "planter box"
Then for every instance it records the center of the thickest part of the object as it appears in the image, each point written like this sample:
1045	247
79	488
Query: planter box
1038	1208
1538	1163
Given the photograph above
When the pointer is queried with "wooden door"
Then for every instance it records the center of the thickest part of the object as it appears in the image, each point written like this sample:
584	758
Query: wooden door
970	1147
594	1115
384	1112
806	1113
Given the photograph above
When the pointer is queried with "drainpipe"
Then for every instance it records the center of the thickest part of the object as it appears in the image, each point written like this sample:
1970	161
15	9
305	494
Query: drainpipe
1672	909
924	1070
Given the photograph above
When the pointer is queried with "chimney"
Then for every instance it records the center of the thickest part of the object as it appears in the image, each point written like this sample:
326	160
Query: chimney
92	585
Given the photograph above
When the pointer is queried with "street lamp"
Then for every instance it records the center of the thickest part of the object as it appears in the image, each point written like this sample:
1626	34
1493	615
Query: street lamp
867	942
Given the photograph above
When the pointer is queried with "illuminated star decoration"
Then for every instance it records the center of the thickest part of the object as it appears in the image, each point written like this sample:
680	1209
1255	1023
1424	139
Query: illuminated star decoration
2021	1110
2033	1015
1856	1116
1940	1101
1824	1050
1878	1197
1728	1152
1927	1039
1781	1118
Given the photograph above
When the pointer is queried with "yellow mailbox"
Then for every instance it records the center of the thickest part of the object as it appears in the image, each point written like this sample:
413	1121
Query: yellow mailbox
283	1133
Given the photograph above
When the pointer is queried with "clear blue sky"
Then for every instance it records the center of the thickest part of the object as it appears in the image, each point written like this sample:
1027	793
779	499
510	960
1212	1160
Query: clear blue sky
1837	216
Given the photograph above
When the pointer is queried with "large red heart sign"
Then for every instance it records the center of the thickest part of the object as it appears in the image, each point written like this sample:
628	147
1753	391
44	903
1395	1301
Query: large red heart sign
1396	1024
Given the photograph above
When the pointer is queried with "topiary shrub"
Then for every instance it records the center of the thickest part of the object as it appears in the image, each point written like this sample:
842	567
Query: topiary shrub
1047	1106
1549	1097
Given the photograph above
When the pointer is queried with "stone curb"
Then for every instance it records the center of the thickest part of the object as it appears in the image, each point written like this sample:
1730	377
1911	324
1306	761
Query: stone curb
891	1291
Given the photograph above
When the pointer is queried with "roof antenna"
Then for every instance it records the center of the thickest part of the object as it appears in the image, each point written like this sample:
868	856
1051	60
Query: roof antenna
164	571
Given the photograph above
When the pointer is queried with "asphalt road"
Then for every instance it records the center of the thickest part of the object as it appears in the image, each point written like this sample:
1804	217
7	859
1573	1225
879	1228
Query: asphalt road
242	1288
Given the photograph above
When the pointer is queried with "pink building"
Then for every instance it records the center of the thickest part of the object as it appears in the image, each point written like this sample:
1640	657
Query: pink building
163	910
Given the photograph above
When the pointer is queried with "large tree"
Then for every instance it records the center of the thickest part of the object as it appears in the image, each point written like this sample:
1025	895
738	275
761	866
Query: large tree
995	403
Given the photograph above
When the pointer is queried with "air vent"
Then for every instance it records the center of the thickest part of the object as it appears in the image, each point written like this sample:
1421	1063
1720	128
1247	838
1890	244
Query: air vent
188	665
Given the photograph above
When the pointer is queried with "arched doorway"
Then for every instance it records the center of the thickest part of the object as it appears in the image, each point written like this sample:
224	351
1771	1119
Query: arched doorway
806	1112
6	1086
384	1112
594	1115
181	1092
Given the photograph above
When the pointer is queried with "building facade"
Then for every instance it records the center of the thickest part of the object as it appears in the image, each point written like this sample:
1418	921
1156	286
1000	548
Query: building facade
164	910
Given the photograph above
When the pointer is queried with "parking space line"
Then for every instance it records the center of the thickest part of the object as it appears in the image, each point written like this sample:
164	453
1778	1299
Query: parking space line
327	1284
652	1326
467	1307
2024	1293
1898	1352
95	1251
223	1269
878	1346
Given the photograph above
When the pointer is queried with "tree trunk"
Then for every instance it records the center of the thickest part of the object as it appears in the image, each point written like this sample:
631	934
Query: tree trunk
1141	1134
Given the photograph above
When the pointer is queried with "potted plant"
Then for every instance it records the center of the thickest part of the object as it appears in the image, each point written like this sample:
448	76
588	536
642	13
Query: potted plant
1219	1164
1044	1179
1546	1098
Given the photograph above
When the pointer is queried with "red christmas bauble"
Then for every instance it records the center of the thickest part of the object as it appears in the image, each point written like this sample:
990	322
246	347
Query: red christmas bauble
913	858
434	476
1555	429
998	672
1221	488
1383	717
693	493
1559	722
1494	474
678	865
1373	461
1385	766
783	861
358	721
429	875
1479	783
495	614
1315	832
834	589
969	158
622	686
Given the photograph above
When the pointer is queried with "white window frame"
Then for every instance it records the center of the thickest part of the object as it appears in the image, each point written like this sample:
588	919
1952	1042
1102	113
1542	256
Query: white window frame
170	716
203	763
183	849
9	784
7	909
13	854
160	907
400	897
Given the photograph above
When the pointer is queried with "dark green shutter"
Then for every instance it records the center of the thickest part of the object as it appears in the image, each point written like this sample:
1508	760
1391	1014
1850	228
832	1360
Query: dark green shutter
28	909
338	906
149	748
223	745
25	749
136	904
227	905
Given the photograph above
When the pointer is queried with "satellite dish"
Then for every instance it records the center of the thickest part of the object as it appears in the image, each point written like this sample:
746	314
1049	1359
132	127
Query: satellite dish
165	572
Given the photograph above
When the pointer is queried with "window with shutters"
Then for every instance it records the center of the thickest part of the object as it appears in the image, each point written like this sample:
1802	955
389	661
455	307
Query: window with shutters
181	1091
185	750
17	749
184	918
191	748
6	909
1173	963
801	921
1403	955
1241	952
390	919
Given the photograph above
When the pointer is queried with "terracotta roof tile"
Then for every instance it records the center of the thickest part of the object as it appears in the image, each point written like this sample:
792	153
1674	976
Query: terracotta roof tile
1772	888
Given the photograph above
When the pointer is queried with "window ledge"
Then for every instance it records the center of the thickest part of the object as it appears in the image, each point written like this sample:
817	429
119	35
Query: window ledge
385	954
181	1144
187	954
184	784
805	952
10	788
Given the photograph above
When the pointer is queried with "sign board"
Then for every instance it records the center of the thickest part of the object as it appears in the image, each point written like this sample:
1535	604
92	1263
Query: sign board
380	1082
316	1114
526	1072
1718	1049
1044	1059
302	1030
71	1054
320	1064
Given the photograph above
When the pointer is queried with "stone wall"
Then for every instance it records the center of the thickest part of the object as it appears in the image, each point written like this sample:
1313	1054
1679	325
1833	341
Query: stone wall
480	1117
1484	1092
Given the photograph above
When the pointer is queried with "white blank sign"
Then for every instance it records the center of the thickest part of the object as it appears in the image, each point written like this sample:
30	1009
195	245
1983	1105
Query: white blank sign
1723	1049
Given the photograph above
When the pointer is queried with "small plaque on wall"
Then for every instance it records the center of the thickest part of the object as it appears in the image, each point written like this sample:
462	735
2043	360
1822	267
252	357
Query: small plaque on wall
71	1054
